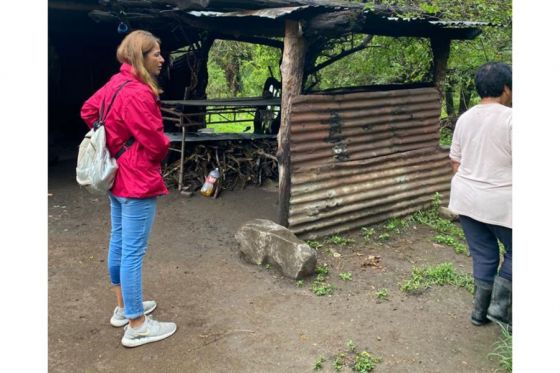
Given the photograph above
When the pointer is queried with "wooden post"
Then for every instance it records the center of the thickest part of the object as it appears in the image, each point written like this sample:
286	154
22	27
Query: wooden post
292	78
440	51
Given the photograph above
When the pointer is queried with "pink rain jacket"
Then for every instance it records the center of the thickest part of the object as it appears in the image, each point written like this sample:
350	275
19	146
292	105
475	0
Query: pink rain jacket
135	113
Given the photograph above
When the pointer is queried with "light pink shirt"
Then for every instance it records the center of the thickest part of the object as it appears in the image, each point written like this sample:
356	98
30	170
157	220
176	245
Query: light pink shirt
481	188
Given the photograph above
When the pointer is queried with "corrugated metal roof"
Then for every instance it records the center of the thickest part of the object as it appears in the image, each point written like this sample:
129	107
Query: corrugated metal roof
272	13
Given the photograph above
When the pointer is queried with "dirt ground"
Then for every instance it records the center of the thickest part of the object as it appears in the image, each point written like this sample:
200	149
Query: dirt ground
237	317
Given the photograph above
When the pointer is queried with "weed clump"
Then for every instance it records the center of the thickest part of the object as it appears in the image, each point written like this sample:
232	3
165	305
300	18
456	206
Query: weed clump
449	234
339	240
345	276
503	351
319	286
382	294
365	363
361	362
442	274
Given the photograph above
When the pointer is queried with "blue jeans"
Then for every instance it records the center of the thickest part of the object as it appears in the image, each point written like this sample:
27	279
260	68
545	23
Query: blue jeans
131	223
483	239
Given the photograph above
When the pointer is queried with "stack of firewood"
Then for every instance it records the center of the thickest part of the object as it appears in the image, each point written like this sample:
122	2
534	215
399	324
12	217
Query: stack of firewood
241	163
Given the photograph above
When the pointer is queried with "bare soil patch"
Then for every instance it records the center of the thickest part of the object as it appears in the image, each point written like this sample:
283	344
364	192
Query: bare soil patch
236	317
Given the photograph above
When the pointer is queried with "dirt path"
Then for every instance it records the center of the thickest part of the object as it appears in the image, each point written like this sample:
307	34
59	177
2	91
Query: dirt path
236	317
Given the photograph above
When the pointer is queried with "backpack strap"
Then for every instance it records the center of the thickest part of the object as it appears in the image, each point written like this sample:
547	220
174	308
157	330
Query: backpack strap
101	120
112	100
125	146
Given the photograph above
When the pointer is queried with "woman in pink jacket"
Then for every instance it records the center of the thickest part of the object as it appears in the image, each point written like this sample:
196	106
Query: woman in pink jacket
134	130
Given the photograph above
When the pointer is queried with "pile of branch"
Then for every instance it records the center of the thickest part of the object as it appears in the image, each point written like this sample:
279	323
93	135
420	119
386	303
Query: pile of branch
240	162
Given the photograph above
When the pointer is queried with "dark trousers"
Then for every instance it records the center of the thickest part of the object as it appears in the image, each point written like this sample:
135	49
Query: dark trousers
483	239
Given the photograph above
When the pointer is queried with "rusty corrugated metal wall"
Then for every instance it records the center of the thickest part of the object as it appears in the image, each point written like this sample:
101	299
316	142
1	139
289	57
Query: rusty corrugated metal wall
361	158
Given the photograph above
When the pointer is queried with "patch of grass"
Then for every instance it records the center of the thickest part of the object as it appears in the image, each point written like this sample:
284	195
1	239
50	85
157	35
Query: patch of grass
383	236
339	362
396	224
319	363
365	362
322	270
367	233
448	233
314	244
339	240
445	239
382	294
503	351
321	288
299	283
267	266
345	276
362	362
442	274
445	136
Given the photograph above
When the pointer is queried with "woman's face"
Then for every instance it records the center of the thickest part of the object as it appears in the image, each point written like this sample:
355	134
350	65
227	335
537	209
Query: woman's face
153	61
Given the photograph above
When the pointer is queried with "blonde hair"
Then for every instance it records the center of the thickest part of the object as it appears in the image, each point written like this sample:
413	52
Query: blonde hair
132	50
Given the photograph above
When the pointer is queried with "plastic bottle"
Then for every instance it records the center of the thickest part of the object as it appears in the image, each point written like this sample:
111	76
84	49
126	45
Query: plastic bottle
210	183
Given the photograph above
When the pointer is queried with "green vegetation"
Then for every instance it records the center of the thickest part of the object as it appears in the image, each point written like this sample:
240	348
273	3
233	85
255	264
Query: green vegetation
503	350
367	233
319	363
345	276
365	362
362	362
383	236
299	283
339	240
322	270
237	69
246	126
445	136
442	274
382	294
448	233
314	244
321	288
351	345
460	248
339	362
396	224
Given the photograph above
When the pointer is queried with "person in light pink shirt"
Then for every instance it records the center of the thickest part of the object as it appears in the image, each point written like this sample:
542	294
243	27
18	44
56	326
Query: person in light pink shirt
481	158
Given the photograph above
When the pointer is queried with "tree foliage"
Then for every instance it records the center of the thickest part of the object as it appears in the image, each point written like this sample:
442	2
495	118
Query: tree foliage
240	69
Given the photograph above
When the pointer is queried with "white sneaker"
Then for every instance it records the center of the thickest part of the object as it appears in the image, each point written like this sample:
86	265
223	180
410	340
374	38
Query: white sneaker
118	319
150	331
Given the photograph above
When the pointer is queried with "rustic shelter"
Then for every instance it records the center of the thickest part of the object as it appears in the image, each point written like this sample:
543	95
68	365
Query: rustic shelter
347	158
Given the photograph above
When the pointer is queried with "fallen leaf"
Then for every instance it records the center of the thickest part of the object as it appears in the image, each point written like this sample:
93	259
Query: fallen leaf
335	254
372	261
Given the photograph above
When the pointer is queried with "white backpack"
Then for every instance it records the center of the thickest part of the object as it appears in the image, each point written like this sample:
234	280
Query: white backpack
96	168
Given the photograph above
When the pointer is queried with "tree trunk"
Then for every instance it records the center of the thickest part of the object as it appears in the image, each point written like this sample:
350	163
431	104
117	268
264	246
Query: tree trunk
465	97
292	79
440	51
449	105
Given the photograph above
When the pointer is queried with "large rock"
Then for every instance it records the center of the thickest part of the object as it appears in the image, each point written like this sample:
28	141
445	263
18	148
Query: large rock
265	242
